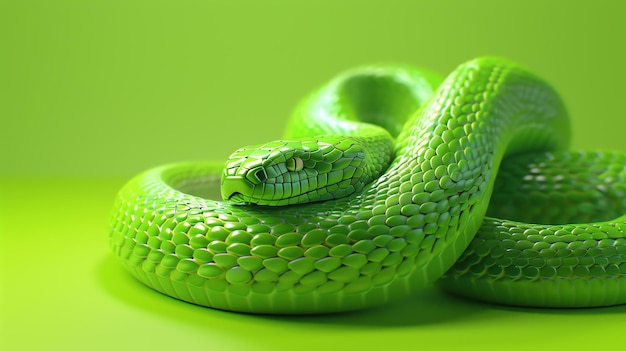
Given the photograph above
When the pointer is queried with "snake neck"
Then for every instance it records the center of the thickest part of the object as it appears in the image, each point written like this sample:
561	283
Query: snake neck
343	141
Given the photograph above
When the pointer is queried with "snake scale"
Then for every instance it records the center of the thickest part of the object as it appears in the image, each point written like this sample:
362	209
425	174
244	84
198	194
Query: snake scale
382	186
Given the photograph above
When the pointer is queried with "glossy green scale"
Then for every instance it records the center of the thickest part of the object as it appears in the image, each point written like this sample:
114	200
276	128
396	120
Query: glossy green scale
576	257
380	188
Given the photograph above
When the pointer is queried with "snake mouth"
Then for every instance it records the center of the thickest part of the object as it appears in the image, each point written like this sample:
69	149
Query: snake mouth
236	197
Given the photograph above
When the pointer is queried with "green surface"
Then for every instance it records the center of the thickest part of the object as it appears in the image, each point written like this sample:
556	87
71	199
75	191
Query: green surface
71	294
94	89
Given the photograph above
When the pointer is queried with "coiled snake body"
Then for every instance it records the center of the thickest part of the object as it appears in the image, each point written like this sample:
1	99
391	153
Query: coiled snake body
344	215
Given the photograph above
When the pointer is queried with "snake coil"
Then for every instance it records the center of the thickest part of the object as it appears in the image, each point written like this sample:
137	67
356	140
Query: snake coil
381	187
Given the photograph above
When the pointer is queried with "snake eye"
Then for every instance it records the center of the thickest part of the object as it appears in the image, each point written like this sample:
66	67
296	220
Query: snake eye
294	164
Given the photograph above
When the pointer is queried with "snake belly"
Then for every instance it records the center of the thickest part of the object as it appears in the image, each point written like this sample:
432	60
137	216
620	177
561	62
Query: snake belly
386	239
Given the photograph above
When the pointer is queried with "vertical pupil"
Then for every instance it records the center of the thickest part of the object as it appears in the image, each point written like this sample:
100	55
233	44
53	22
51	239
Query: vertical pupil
294	164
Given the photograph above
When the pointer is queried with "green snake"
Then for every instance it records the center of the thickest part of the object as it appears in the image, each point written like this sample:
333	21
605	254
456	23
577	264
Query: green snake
382	186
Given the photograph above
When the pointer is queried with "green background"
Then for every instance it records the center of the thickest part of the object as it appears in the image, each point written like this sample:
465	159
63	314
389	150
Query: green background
92	92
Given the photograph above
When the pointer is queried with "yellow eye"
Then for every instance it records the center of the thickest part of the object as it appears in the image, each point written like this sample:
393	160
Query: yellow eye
294	164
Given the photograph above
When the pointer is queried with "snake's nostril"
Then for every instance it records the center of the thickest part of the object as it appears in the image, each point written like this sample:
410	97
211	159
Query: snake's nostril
256	175
260	175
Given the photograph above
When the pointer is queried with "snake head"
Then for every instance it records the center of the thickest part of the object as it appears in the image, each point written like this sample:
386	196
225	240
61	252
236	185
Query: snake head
287	172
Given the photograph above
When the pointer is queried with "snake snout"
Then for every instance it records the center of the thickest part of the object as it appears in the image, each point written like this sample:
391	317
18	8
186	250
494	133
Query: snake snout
236	189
